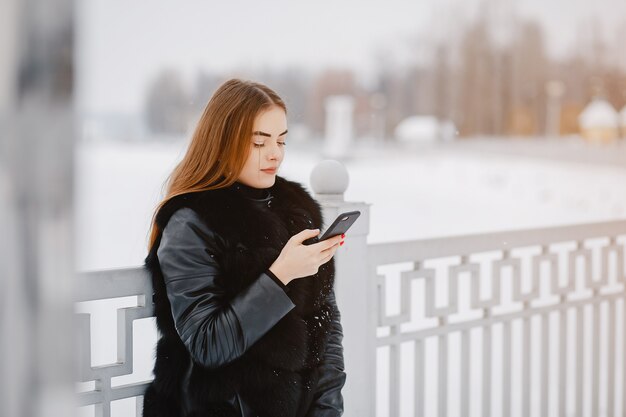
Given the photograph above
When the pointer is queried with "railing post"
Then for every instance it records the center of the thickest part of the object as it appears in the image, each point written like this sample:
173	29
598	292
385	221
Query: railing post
329	181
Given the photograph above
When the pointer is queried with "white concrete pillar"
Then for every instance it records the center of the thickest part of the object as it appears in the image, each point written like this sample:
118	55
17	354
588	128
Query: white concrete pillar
339	126
353	289
555	90
36	208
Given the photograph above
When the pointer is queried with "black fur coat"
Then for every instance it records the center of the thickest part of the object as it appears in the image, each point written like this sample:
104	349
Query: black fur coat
278	374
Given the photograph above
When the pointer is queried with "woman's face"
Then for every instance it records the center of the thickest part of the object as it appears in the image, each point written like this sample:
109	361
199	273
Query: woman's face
267	148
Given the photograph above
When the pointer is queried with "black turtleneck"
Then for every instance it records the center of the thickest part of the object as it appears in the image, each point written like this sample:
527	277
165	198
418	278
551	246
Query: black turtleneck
252	192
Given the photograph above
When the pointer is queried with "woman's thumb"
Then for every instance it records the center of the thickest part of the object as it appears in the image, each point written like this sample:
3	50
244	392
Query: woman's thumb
306	233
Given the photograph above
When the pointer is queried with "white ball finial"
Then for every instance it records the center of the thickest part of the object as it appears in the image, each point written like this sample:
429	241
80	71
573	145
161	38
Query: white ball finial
329	177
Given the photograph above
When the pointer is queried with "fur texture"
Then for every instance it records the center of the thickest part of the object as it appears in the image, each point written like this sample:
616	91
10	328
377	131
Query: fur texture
277	375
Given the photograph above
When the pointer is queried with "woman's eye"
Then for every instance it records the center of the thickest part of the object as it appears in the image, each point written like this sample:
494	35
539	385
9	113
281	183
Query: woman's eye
260	145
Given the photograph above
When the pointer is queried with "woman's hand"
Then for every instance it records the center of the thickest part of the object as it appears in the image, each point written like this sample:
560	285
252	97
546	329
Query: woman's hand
297	260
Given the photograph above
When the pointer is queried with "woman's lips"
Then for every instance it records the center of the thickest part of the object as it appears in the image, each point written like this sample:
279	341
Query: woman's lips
269	171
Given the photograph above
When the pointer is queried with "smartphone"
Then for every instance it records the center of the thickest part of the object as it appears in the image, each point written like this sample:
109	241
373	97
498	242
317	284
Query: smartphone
341	225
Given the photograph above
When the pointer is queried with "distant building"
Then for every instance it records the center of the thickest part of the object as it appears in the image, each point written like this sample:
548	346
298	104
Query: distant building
622	121
424	129
599	122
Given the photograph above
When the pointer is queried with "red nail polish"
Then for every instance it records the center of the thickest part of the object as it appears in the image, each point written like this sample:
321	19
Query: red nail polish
341	243
342	235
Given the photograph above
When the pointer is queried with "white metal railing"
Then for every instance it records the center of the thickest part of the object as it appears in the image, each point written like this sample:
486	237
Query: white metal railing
108	285
563	284
532	322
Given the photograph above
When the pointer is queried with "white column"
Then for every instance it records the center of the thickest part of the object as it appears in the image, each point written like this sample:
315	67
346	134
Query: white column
354	291
36	200
555	90
339	121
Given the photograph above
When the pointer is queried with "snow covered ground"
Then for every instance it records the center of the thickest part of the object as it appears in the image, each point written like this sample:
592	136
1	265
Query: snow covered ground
415	193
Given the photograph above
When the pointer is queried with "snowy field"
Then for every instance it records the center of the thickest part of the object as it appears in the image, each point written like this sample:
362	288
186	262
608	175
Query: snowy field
433	191
415	193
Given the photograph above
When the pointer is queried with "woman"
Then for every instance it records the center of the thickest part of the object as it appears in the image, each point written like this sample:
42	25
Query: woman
243	289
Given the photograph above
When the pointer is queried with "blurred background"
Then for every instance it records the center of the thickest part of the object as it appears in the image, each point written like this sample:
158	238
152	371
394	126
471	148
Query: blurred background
485	115
489	67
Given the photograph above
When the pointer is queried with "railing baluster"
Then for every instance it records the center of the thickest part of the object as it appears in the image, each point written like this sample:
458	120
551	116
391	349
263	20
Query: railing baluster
465	370
99	410
506	368
526	365
486	394
544	390
595	352
394	376
610	362
623	315
562	382
139	405
580	357
419	378
103	409
443	373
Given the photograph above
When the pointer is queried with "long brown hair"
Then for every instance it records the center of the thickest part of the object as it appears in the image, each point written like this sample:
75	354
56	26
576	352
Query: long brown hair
220	143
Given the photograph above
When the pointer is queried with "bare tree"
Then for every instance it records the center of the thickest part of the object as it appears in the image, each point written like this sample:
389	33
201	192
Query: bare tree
167	106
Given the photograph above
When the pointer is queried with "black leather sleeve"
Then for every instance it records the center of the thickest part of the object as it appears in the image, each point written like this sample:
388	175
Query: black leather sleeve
214	330
328	400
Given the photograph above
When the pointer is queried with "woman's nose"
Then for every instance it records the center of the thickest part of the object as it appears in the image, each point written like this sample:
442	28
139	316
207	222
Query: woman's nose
274	152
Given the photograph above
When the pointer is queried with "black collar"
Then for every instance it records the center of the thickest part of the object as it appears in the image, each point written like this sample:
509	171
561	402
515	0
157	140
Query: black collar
253	193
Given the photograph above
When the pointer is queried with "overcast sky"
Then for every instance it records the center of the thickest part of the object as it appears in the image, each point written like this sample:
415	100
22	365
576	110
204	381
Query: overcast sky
123	44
